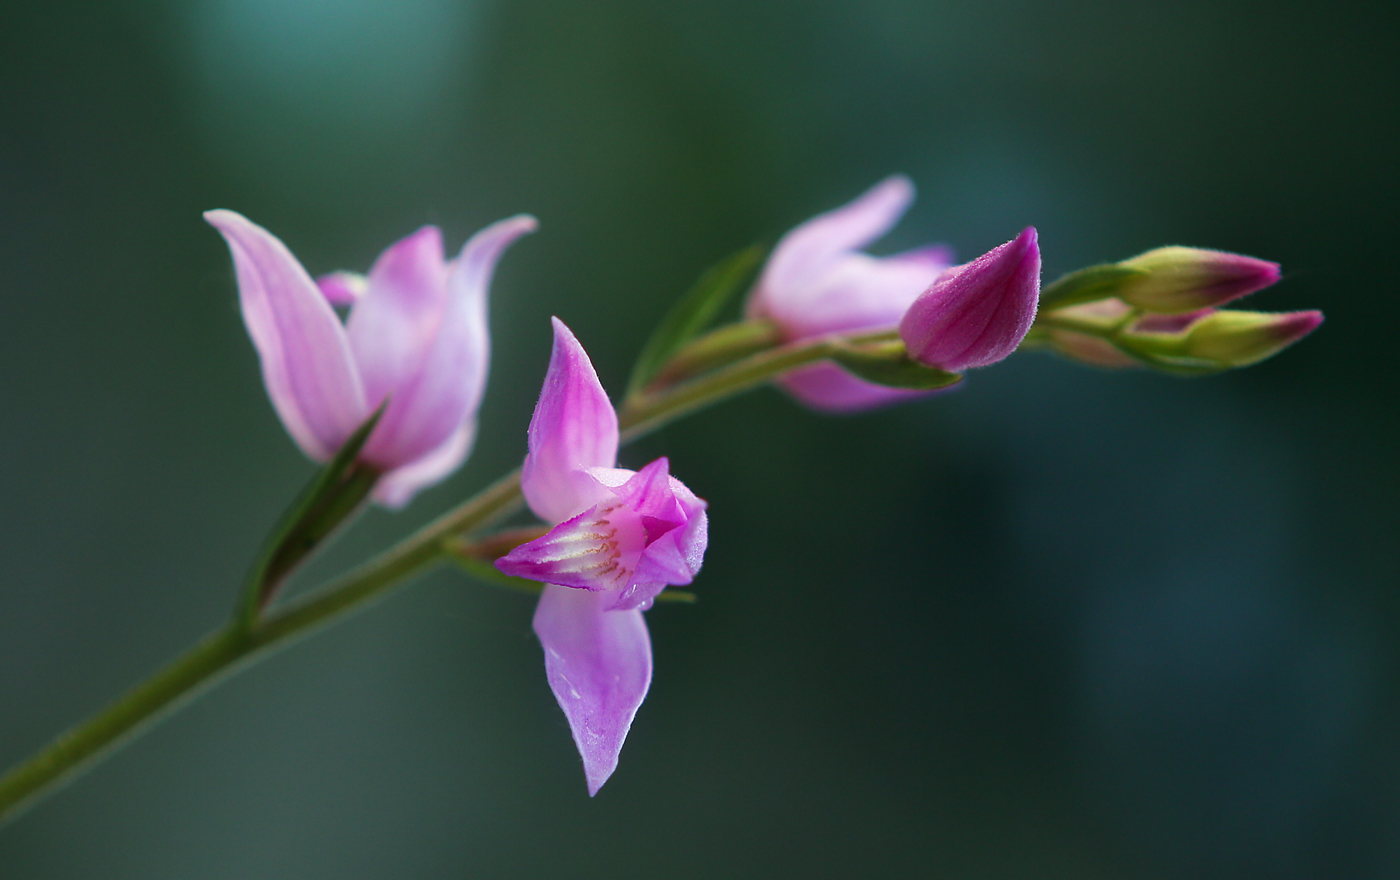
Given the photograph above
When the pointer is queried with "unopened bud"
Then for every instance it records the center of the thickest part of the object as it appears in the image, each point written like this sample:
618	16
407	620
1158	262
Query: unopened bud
1237	339
977	313
1172	280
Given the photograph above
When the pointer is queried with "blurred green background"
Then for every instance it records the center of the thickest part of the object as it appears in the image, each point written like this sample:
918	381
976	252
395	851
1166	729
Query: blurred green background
1063	623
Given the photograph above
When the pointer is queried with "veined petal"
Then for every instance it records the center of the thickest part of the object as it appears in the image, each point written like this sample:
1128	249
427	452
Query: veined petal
396	488
598	664
829	388
306	362
450	378
805	251
393	324
596	550
574	427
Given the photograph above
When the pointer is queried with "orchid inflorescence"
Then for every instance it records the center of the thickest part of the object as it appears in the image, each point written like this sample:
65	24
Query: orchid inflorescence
387	402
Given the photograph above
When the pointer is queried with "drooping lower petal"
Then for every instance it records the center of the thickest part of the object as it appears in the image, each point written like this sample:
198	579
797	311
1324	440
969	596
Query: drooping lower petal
598	664
396	488
450	377
574	427
306	361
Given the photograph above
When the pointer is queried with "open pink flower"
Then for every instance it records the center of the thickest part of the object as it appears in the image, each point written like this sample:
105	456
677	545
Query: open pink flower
416	335
620	537
818	282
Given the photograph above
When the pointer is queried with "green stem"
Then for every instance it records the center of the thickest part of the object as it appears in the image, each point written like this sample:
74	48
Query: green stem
240	643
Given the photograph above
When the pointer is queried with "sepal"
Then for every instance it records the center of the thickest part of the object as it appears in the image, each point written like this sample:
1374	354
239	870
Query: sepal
890	365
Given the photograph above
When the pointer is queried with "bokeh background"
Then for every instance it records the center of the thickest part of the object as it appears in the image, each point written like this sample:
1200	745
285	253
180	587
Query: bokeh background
1063	623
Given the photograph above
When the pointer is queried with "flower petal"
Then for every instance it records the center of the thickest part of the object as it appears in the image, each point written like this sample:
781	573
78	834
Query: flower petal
857	292
976	314
450	378
599	667
673	558
306	361
393	324
396	488
806	251
596	550
574	427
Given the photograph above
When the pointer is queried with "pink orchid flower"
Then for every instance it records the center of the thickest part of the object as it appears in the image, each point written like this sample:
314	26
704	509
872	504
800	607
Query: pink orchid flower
620	537
818	282
416	336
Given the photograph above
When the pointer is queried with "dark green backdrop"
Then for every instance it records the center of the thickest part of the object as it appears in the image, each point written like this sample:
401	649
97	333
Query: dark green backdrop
1063	623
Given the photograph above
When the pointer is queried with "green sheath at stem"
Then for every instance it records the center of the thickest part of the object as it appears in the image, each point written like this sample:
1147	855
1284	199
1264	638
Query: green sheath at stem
239	643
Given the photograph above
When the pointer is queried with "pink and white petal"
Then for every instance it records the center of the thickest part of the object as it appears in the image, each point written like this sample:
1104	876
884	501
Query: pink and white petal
306	361
595	550
830	389
598	664
396	488
394	323
804	252
342	288
450	380
574	427
858	292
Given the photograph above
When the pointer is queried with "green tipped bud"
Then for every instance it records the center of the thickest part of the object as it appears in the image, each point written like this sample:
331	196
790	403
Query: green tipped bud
1238	339
1172	280
1210	341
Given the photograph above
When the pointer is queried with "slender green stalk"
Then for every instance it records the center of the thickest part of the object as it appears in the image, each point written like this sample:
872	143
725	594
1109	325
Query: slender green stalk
240	643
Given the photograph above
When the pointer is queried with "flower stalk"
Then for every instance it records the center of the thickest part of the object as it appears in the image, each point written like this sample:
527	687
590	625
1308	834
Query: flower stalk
247	638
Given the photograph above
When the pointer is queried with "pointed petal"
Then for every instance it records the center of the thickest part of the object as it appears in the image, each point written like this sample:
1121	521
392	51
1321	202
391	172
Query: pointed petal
828	388
396	488
306	362
574	427
393	324
805	252
599	667
977	313
342	288
451	377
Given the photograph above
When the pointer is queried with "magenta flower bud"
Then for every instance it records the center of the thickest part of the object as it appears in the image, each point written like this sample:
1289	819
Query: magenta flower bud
620	537
977	313
416	336
818	282
1183	279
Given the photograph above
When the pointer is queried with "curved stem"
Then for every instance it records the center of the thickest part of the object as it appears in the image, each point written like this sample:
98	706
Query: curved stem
238	643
